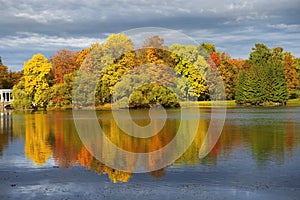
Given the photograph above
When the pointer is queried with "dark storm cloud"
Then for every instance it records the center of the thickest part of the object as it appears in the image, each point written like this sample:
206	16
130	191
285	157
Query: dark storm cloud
33	26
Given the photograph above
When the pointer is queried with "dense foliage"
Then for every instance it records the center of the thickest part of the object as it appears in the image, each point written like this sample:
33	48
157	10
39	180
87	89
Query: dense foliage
153	74
8	78
35	84
265	81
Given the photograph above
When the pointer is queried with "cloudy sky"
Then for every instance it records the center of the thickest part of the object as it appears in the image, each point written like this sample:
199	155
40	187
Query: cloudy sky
40	26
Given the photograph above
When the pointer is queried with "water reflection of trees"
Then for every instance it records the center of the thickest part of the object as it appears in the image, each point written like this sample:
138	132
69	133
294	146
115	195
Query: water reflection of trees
68	149
55	135
4	139
5	129
267	142
37	133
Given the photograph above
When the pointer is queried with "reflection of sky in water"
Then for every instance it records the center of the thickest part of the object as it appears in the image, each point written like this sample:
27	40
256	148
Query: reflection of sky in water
13	157
264	115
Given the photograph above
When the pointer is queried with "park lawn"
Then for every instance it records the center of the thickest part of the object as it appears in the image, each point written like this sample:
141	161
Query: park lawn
209	103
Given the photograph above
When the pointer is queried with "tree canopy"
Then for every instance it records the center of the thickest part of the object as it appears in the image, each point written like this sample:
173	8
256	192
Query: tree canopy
158	73
8	78
36	82
265	81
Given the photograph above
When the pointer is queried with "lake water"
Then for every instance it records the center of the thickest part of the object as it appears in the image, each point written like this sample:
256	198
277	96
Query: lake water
258	147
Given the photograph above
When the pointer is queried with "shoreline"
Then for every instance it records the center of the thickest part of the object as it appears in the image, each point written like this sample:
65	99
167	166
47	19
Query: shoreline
200	104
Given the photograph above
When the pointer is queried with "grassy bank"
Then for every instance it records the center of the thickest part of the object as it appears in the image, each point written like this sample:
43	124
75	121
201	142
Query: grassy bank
294	102
106	106
228	103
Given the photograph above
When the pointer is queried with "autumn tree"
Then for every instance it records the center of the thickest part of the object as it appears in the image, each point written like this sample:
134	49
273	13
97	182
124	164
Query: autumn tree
100	58
207	49
191	65
228	69
158	80
153	54
8	78
3	76
37	81
60	95
153	51
92	64
215	71
290	72
213	78
13	78
113	74
21	98
141	90
297	66
82	55
65	62
118	57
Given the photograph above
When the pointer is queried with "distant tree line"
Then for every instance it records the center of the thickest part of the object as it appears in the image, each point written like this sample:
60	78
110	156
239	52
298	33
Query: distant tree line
268	76
8	78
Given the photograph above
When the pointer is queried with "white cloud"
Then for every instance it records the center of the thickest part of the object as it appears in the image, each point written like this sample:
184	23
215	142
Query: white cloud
38	41
286	27
36	11
240	5
43	17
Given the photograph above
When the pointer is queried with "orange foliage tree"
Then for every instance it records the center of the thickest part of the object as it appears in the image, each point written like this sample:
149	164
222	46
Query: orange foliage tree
290	72
64	62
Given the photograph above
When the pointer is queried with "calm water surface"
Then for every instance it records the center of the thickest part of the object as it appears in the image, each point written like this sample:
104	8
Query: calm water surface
257	146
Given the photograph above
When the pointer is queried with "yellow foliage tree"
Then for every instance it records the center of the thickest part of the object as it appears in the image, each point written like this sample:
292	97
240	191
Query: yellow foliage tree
37	75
